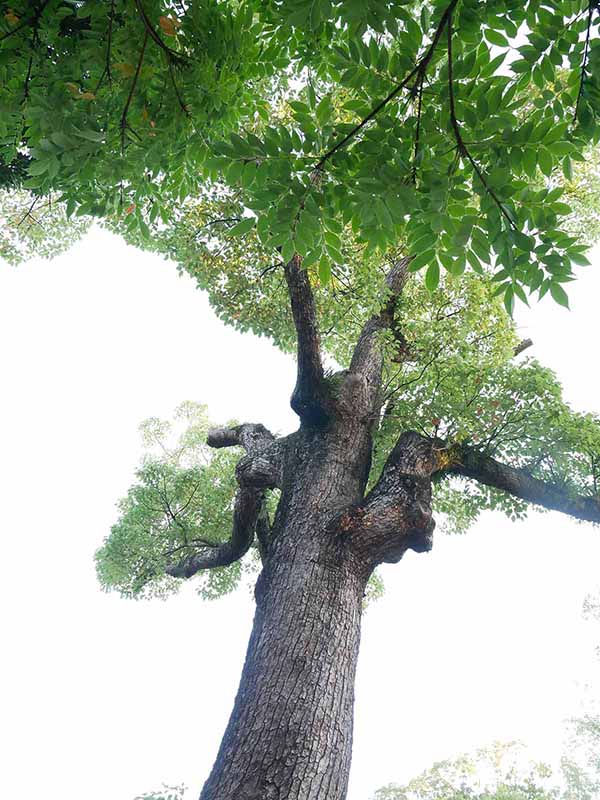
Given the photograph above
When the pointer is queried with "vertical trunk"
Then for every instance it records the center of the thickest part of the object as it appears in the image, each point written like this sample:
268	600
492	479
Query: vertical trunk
290	733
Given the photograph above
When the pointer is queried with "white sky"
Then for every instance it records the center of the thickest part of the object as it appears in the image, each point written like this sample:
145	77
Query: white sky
104	698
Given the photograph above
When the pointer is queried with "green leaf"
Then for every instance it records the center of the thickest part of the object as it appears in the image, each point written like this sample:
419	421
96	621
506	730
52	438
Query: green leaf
90	135
420	260
242	227
495	37
324	270
559	295
432	276
509	299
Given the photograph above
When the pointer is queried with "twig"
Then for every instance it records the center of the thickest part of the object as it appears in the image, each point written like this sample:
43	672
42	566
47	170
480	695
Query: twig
171	54
461	146
586	50
29	21
106	71
183	106
124	124
418	71
417	132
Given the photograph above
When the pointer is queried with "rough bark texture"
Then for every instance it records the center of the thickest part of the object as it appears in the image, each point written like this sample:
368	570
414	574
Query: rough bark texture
290	733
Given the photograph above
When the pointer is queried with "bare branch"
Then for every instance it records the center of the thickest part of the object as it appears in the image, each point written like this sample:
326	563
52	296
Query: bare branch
524	344
518	482
308	398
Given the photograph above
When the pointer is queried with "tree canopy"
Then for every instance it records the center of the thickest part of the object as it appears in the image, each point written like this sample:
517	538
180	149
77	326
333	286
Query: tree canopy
230	136
438	126
499	772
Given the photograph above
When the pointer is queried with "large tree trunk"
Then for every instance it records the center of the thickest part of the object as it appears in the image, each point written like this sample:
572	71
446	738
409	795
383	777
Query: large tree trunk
290	732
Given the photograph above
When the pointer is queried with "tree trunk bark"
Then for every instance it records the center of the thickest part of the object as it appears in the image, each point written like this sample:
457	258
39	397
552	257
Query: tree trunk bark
290	733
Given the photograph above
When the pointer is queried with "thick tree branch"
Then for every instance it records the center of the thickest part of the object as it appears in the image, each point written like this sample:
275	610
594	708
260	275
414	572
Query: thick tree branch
396	514
518	482
308	398
248	503
254	438
367	358
257	471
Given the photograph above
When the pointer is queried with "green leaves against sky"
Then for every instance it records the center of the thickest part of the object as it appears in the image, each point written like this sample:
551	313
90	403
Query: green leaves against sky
317	116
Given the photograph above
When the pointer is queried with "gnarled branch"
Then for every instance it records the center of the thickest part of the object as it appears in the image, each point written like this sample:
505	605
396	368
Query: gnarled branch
248	503
396	514
258	470
518	482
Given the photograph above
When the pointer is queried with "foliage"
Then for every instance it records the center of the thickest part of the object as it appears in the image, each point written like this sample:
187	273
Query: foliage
229	135
166	793
500	772
437	126
31	225
183	498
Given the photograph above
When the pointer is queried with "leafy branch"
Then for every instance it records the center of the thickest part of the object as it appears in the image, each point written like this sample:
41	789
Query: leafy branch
586	54
460	143
124	123
417	72
171	54
33	20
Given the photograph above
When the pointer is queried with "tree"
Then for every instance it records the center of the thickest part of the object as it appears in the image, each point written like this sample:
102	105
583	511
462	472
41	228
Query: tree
504	772
499	772
371	184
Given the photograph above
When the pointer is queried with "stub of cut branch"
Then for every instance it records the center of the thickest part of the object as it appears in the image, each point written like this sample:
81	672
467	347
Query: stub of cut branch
253	437
396	514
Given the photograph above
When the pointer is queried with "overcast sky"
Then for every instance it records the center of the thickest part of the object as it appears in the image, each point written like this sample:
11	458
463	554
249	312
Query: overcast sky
105	698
